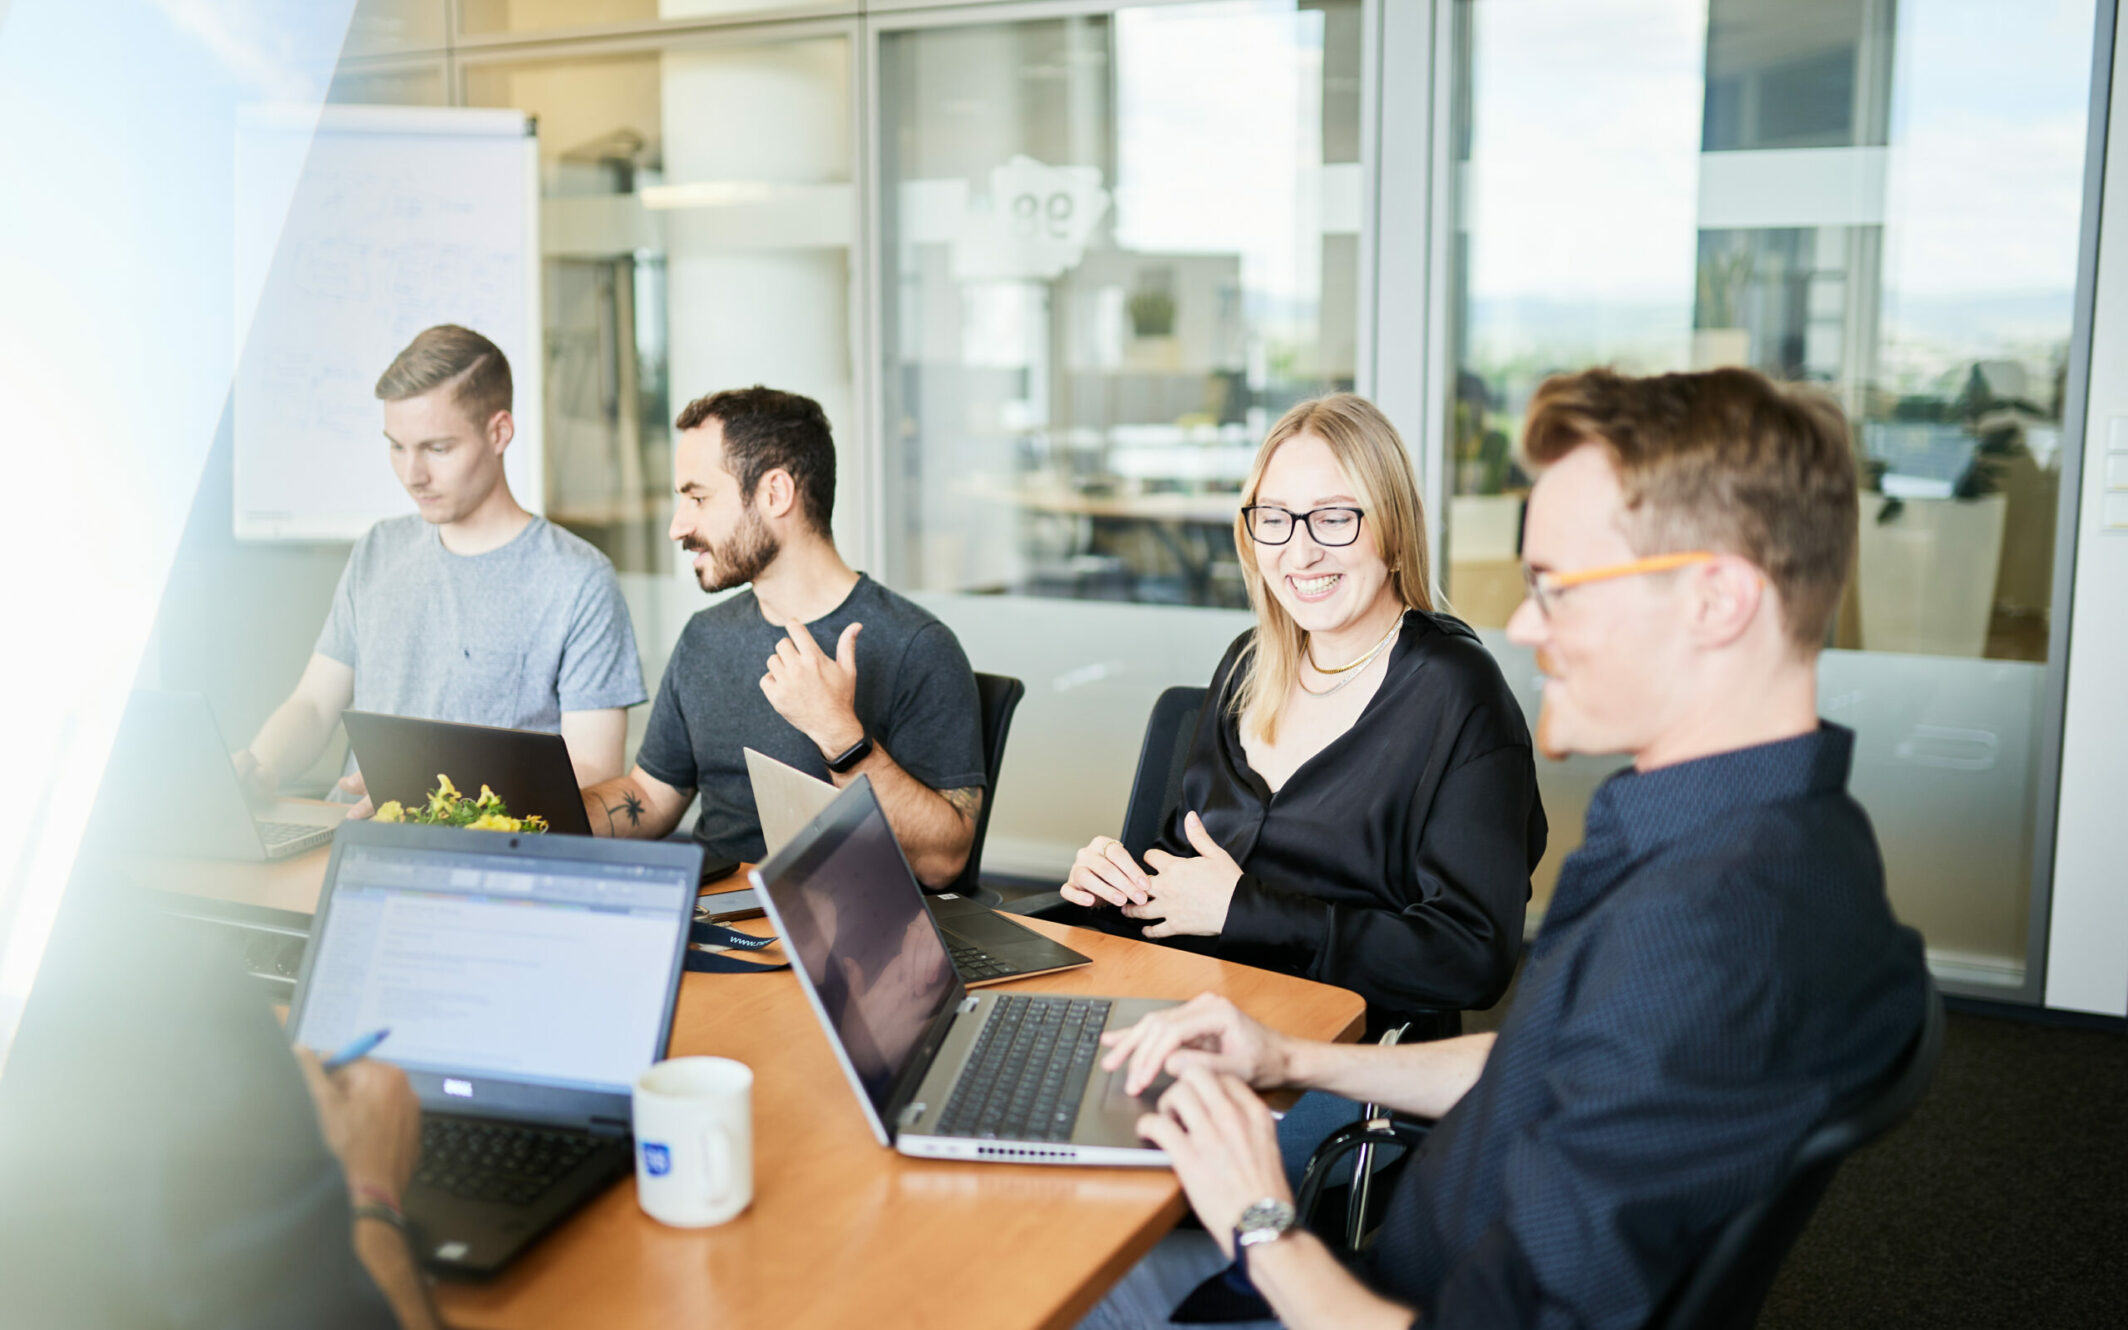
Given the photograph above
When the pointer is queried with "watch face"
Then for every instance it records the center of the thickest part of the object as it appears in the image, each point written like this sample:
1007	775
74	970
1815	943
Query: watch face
1263	1220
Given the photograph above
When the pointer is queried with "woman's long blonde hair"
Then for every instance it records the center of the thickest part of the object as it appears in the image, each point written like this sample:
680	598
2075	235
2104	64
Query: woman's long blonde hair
1374	461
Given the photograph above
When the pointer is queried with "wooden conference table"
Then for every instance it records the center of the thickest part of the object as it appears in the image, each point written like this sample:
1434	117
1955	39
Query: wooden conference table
842	1231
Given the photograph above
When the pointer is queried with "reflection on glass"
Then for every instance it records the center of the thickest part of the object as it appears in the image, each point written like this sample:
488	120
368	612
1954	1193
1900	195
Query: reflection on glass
490	17
477	18
1883	199
378	27
1115	248
602	288
406	85
1879	198
695	220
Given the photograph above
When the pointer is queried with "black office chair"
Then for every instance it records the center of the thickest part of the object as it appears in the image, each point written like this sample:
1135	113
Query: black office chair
1727	1287
1155	790
997	696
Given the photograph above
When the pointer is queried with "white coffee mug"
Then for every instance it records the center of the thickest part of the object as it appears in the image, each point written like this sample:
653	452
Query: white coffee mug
694	1140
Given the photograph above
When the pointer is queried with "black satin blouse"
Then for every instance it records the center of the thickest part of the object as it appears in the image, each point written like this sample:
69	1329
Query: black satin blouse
1395	862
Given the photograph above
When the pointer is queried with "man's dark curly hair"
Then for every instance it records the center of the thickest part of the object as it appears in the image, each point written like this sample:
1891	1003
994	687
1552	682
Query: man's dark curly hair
767	430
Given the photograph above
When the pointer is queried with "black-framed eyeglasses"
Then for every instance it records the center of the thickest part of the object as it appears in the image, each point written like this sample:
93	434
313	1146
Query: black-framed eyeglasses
1269	525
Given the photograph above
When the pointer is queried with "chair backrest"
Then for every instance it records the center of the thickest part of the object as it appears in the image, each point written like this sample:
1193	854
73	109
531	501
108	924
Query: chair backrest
997	697
1727	1288
1157	787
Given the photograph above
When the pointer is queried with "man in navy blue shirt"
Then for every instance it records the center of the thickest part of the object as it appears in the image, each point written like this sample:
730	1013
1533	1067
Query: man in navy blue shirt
1718	965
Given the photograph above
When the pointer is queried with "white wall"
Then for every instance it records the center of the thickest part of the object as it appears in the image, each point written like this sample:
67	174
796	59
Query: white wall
2087	952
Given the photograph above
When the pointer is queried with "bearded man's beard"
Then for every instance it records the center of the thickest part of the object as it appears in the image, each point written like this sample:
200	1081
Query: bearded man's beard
749	552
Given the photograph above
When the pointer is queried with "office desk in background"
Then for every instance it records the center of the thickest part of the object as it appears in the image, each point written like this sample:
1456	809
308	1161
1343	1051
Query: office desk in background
842	1231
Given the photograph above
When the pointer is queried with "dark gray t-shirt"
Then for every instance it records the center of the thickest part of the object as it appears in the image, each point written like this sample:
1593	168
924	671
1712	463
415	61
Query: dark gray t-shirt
512	637
915	698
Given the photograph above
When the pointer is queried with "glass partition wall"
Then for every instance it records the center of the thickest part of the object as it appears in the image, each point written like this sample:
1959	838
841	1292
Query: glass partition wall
1112	248
1880	198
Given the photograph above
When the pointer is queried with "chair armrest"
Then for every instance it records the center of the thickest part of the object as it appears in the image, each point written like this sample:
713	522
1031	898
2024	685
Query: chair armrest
1388	1129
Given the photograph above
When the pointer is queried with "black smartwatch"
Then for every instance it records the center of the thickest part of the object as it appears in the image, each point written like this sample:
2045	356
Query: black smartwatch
851	756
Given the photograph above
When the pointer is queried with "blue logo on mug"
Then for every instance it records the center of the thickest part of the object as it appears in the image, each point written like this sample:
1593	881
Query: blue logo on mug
657	1159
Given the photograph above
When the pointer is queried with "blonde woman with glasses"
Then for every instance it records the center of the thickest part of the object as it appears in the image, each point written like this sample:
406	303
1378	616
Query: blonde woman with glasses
1360	801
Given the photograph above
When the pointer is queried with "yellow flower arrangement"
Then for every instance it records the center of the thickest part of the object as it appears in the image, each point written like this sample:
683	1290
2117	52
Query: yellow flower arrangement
446	807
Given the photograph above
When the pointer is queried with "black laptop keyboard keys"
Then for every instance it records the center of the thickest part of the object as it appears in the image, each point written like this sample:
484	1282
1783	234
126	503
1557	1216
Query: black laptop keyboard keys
498	1162
975	964
1029	1066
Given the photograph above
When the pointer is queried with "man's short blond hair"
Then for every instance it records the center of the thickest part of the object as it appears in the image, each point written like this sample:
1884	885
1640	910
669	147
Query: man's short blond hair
1726	460
473	367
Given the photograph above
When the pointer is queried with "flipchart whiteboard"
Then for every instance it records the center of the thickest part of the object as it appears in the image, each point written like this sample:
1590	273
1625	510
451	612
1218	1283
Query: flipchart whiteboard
401	218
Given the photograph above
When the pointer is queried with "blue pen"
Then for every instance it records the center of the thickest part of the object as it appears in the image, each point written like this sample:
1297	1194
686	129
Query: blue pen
356	1049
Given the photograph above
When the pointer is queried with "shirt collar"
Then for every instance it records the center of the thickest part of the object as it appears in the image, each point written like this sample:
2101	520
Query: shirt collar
1649	809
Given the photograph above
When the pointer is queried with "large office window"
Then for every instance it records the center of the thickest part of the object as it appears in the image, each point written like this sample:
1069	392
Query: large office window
1880	199
1115	247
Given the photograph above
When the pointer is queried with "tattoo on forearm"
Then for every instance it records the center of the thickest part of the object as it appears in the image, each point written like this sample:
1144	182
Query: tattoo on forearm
966	801
630	804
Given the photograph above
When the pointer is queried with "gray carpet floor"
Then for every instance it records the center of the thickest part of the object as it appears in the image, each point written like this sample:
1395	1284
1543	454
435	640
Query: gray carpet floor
2002	1202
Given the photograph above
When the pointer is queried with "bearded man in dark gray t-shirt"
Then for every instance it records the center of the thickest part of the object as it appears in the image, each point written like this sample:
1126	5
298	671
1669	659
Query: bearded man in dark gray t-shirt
814	664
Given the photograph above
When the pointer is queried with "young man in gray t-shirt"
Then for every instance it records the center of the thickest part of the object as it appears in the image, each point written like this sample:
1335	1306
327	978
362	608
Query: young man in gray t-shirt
814	664
472	610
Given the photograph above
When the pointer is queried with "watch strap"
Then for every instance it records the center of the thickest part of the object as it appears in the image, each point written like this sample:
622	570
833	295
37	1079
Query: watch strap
851	756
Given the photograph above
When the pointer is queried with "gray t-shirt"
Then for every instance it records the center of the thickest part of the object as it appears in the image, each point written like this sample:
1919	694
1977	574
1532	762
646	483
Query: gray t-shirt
515	636
915	698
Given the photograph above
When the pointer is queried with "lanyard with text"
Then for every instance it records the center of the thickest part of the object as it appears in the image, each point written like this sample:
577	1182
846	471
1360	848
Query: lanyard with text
708	943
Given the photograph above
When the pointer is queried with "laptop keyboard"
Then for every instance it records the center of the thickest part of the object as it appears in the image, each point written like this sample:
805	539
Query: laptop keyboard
975	964
281	835
1027	1070
496	1161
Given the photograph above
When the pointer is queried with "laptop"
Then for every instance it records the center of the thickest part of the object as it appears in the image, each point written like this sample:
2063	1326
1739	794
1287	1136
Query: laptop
401	756
526	982
987	947
170	785
941	1072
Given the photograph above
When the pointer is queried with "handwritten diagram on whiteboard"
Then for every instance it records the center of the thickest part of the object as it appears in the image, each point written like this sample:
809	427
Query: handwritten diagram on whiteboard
401	218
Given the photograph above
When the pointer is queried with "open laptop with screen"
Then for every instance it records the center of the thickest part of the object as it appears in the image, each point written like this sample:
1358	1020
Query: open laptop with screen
987	947
526	981
170	786
940	1072
401	756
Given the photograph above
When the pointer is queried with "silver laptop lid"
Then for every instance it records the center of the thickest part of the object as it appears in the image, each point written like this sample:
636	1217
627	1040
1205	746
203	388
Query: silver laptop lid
785	798
870	960
525	976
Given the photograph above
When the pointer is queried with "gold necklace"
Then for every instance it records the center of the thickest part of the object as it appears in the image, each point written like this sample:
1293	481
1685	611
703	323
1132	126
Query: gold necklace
1349	671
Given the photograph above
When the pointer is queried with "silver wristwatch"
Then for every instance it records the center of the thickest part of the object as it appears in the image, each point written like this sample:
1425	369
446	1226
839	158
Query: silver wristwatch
1263	1221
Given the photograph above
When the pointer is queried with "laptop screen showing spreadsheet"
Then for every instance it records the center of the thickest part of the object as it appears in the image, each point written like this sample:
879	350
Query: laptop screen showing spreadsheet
543	971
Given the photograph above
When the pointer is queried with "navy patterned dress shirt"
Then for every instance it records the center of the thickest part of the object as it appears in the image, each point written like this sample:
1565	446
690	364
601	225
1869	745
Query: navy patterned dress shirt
1718	967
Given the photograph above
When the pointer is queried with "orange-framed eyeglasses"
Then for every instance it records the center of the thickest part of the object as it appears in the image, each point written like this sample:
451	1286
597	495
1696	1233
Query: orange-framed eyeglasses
1544	588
